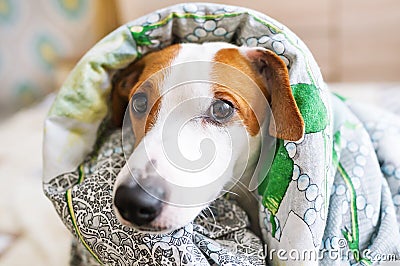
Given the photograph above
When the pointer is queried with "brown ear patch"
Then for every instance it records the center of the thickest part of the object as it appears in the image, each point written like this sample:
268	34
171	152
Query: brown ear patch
122	84
139	77
243	84
289	124
265	69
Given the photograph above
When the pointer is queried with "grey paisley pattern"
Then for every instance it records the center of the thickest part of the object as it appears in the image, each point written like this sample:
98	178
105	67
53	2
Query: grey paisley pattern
218	239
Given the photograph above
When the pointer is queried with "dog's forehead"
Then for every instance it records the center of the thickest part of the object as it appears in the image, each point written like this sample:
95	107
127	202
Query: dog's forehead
193	62
215	62
191	75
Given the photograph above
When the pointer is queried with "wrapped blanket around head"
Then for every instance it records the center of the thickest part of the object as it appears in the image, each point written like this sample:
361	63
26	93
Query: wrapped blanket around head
298	207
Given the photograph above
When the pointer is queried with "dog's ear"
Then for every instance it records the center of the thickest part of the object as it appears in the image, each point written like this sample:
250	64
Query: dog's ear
289	124
123	82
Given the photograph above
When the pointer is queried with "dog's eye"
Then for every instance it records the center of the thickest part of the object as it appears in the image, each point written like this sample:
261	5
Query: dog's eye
221	110
139	103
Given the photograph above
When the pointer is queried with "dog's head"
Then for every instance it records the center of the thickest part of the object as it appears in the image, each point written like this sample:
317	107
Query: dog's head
197	112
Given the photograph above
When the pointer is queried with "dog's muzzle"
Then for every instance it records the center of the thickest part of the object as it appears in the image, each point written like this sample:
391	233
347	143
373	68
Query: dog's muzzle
140	204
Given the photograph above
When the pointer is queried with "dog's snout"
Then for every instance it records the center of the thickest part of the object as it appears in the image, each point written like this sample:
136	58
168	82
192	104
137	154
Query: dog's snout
137	205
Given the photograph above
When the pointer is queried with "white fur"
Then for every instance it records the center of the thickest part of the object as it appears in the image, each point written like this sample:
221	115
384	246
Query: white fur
180	124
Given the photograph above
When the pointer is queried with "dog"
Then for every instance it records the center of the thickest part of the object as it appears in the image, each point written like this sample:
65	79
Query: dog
165	184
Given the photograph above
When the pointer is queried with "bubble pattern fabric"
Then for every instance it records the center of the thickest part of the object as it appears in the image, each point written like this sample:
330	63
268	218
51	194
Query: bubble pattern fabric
325	191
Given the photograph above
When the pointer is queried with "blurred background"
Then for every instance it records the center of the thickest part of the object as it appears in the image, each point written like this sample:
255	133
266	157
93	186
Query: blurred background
356	44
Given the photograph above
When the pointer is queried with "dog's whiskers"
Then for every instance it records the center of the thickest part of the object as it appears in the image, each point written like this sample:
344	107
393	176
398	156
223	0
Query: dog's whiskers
242	187
202	215
212	214
230	192
205	214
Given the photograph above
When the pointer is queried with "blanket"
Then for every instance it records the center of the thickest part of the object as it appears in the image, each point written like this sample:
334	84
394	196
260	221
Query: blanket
330	198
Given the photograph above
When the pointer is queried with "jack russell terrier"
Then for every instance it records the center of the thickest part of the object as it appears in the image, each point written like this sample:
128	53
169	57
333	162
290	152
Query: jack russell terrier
171	119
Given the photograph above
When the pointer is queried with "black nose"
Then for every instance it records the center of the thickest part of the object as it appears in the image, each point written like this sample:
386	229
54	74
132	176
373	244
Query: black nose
136	205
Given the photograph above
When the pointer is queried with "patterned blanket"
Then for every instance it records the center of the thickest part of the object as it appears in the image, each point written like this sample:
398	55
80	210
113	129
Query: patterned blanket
330	198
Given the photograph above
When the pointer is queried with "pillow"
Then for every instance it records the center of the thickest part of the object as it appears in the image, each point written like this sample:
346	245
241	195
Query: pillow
36	37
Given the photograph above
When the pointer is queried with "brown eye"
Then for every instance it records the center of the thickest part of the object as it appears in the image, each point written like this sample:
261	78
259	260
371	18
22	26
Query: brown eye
139	103
221	110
